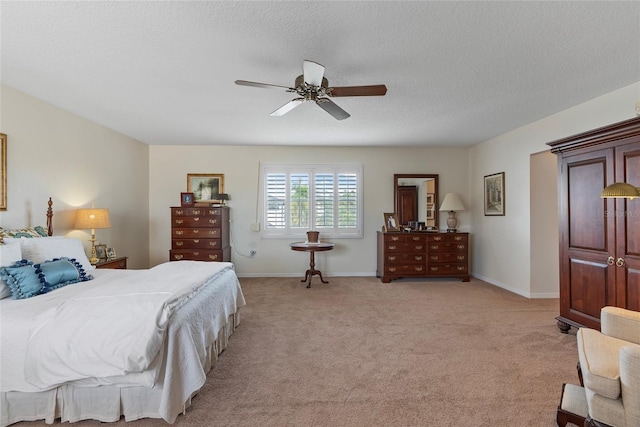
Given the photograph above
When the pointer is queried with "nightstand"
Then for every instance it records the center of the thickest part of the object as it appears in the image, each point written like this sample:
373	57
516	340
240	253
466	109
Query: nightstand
117	263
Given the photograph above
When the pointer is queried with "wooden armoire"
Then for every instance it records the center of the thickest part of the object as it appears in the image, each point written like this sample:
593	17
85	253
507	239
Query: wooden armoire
599	238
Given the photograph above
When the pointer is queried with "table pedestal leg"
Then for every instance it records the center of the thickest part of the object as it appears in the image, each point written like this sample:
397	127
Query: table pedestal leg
312	270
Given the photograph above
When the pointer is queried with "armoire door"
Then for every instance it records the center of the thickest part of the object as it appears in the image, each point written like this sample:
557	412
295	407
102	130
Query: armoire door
627	215
587	240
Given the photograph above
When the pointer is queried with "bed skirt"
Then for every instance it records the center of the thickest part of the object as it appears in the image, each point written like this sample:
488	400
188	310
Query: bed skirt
189	354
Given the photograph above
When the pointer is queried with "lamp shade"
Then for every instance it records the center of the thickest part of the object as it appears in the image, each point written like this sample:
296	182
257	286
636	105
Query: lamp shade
619	190
221	196
92	218
452	202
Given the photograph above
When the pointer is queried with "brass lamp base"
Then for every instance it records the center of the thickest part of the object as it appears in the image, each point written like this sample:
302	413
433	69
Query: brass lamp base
94	256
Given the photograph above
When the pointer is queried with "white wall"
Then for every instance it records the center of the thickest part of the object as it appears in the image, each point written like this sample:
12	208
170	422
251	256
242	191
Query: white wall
169	166
52	153
502	245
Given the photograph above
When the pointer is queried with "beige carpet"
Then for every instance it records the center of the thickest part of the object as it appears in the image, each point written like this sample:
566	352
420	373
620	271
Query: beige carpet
357	352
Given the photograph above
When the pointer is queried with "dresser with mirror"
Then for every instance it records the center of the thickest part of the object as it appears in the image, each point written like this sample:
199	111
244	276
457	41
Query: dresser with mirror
419	249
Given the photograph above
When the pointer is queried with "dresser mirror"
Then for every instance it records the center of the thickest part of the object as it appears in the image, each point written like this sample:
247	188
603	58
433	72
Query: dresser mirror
415	198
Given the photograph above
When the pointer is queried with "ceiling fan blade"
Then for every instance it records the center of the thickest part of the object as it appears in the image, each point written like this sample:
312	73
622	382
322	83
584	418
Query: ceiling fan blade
262	85
313	73
288	107
374	90
330	107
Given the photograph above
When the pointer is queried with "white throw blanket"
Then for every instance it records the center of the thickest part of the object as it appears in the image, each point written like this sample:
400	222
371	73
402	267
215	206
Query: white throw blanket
114	329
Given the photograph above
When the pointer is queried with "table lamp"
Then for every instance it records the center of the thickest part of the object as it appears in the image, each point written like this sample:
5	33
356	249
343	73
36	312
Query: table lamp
91	219
452	203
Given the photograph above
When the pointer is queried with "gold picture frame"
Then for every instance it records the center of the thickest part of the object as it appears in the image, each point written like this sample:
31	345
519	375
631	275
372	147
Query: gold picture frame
3	171
205	186
391	221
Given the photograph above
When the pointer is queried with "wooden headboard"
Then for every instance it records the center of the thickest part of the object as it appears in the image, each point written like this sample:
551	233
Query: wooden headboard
50	218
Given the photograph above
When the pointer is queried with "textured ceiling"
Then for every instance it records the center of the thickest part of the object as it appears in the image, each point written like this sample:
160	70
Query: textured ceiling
457	73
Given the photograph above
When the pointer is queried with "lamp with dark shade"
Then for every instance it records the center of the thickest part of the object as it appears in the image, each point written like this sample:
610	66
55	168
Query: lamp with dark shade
223	197
91	219
451	204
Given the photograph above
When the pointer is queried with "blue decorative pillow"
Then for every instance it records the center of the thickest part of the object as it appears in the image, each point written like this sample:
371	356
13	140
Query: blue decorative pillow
60	272
22	279
26	279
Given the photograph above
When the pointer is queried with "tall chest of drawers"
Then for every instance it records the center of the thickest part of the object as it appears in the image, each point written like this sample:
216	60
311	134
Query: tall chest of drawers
422	255
200	234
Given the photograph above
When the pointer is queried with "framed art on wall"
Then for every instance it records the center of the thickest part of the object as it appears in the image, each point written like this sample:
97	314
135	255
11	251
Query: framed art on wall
494	194
205	186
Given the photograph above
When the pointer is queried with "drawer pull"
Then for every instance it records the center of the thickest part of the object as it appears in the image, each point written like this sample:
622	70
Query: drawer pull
392	269
213	212
418	247
437	238
418	258
461	268
213	221
416	238
196	240
179	221
179	232
196	219
458	238
196	253
461	257
461	246
213	243
180	212
196	231
419	269
391	258
435	247
392	247
434	257
395	238
196	212
434	268
179	243
177	256
213	257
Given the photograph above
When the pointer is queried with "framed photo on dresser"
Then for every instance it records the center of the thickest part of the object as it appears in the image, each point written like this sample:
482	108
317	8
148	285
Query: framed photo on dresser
186	199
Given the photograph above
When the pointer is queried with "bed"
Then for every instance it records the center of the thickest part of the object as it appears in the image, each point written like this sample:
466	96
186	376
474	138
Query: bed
103	344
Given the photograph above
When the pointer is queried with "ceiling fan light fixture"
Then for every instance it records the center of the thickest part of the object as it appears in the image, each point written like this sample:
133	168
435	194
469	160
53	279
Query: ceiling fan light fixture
620	190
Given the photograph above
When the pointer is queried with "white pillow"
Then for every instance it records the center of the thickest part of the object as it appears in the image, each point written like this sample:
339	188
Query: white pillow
48	248
10	253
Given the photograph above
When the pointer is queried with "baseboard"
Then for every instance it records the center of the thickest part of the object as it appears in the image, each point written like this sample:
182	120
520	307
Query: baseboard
542	295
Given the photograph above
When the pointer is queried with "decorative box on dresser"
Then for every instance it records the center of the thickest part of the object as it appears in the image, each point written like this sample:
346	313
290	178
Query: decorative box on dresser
419	254
200	234
599	238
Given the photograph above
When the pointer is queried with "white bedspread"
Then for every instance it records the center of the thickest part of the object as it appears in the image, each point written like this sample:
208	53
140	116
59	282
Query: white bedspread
131	313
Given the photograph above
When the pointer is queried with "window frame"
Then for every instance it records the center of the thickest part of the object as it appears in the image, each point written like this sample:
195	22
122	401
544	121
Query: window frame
289	232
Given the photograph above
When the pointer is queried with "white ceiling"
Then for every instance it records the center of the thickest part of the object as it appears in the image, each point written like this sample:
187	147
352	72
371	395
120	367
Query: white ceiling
457	73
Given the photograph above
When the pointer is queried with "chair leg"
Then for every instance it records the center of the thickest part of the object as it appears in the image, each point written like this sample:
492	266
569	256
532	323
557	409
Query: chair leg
580	374
590	422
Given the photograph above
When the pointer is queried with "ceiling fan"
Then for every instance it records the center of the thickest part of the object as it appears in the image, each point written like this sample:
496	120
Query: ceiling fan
313	86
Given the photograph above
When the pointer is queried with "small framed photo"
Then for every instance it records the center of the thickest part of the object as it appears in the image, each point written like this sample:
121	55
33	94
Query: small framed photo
431	211
186	199
111	253
494	202
431	198
391	221
101	251
205	186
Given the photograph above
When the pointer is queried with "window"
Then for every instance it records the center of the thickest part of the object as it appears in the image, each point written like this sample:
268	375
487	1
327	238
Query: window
299	198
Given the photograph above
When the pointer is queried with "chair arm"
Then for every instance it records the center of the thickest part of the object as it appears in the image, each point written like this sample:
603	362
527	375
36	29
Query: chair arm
630	383
620	323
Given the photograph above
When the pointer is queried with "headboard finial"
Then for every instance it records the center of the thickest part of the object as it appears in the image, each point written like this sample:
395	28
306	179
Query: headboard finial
50	217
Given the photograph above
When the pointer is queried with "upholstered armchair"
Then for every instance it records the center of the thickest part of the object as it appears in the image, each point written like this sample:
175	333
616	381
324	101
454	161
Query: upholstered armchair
610	369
